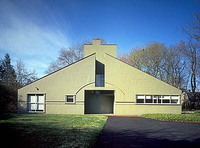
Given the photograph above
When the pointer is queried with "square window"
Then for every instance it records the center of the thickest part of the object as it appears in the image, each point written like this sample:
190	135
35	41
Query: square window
140	98
36	102
165	99
149	99
175	100
70	98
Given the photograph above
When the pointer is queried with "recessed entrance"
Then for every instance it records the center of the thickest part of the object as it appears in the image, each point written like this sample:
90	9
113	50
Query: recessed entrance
99	101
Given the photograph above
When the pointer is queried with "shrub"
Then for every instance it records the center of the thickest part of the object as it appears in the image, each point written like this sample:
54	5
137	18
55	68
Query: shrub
8	98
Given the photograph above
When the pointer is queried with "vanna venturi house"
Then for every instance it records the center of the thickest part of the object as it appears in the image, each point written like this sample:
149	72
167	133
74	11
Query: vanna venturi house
99	84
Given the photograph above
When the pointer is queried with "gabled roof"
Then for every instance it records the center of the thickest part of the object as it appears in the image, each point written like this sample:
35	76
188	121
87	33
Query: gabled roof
59	69
141	70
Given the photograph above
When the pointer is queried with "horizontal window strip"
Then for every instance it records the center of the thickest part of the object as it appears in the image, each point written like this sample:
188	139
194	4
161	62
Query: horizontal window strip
157	99
55	100
123	102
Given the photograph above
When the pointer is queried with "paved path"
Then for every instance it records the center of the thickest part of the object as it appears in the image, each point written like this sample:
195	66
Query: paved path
138	132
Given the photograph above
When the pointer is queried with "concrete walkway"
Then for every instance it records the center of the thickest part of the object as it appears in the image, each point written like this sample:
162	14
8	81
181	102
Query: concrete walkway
138	132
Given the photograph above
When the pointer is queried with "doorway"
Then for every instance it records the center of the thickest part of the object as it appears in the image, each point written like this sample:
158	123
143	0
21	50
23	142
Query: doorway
99	101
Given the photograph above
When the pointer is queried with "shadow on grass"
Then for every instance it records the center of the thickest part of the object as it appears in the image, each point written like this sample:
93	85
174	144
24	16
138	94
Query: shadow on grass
41	136
6	116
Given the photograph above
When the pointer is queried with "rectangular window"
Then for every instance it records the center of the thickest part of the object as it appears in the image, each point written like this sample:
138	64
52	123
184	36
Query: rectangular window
70	98
99	74
149	99
157	99
36	103
140	98
165	99
99	80
174	99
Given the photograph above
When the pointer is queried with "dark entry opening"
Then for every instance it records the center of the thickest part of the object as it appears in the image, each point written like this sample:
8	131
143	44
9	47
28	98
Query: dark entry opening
99	101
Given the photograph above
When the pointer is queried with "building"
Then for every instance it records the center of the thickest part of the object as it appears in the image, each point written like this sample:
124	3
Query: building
99	84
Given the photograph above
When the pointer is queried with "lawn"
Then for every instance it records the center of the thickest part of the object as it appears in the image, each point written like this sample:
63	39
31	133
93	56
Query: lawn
42	130
186	116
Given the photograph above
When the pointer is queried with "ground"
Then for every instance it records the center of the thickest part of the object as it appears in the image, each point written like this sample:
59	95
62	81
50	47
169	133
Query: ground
139	132
42	130
186	116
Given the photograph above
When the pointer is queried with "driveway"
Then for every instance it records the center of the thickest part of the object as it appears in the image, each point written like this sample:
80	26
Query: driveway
139	132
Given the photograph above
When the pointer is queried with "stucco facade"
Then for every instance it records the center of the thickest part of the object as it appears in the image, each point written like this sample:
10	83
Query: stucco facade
99	84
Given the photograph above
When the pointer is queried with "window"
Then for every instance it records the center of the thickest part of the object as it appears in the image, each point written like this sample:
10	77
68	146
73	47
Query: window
36	103
165	99
157	99
174	99
70	98
99	80
148	99
140	98
99	74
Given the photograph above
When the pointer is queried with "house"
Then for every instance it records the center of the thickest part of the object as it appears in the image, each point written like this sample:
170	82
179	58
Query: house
99	84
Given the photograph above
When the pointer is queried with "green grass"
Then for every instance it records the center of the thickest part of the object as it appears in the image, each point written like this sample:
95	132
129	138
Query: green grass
186	116
43	130
191	112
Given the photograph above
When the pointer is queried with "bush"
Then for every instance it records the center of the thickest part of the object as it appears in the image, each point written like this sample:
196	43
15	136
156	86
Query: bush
8	98
191	101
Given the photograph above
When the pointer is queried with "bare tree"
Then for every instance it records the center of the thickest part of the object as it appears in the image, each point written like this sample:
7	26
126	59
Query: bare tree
193	29
147	59
24	76
174	67
66	57
69	55
156	59
191	49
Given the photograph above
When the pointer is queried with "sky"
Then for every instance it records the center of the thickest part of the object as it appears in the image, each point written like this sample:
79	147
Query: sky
35	30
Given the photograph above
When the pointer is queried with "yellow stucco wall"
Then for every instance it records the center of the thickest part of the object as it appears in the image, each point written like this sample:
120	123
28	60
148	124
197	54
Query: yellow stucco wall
100	50
68	80
133	109
74	79
131	82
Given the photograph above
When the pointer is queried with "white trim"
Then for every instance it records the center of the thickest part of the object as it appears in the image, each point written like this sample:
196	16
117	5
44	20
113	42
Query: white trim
74	99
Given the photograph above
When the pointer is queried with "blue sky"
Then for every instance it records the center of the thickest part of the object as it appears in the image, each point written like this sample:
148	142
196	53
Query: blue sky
35	30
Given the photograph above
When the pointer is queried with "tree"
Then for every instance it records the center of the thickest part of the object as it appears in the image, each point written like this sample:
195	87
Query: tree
8	98
24	76
7	72
8	91
174	67
191	49
66	57
193	29
10	80
69	55
148	59
166	64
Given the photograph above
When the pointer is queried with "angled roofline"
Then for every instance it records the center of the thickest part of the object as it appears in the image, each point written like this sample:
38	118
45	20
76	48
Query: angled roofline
58	70
142	71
